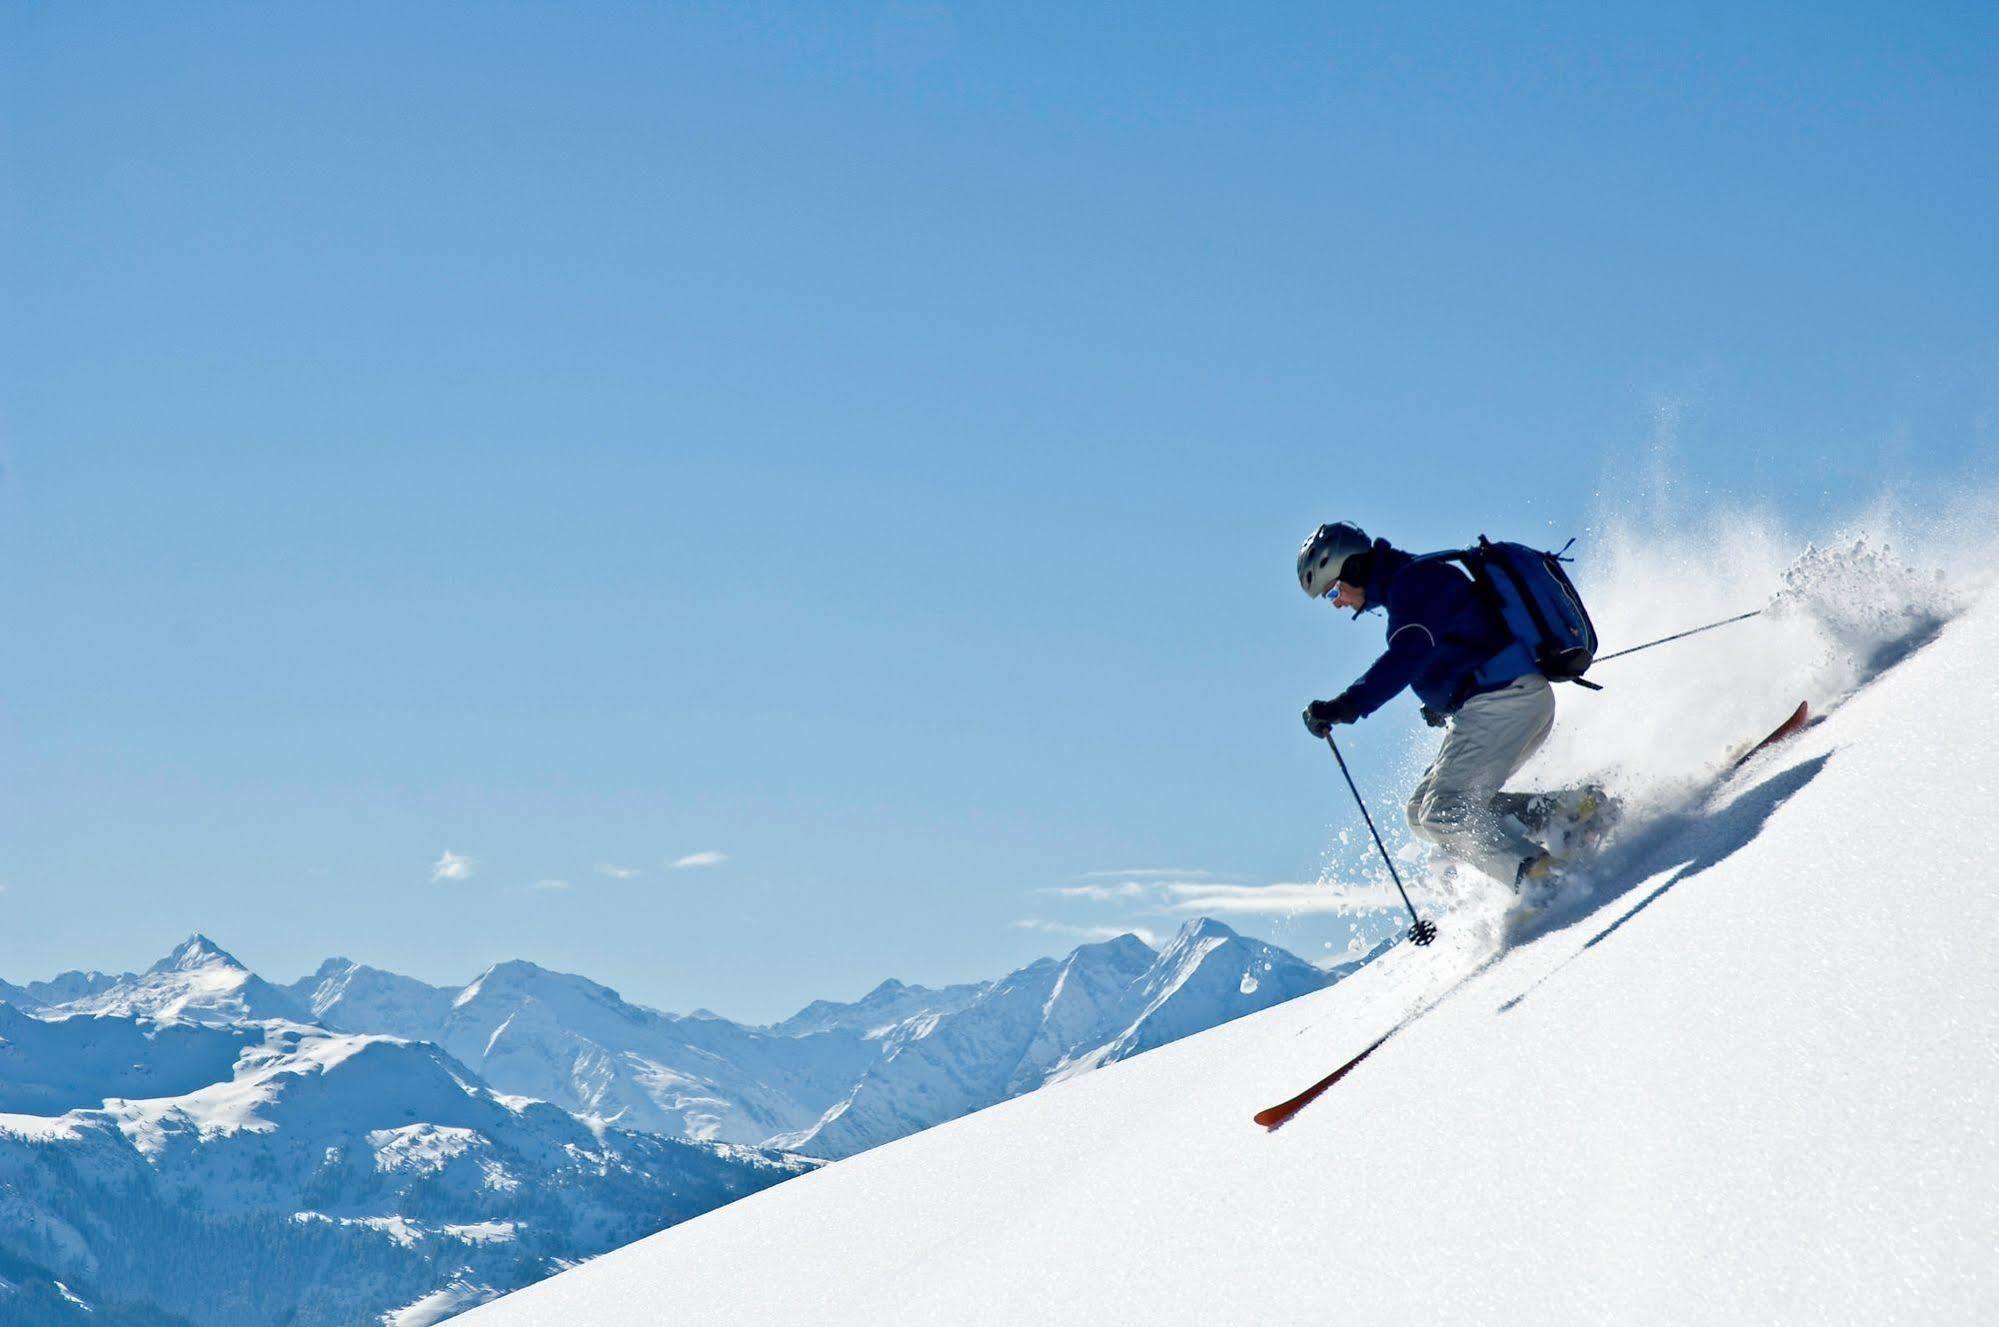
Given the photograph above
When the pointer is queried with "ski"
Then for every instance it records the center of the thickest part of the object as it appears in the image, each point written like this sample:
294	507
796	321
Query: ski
1270	1117
1800	719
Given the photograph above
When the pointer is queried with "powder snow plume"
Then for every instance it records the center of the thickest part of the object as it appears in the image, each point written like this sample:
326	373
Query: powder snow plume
1838	609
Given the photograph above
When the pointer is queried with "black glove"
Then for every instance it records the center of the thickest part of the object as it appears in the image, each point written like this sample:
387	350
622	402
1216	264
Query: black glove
1321	715
1435	718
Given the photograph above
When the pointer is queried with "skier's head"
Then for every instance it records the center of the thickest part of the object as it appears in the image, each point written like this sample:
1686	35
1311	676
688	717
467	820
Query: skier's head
1323	564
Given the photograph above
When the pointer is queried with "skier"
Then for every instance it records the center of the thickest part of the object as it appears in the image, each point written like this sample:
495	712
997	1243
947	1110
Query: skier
1451	648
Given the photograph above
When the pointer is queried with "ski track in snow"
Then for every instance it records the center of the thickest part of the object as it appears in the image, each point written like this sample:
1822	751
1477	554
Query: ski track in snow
1748	1080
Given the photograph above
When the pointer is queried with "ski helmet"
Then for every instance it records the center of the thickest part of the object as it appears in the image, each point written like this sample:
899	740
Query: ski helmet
1326	552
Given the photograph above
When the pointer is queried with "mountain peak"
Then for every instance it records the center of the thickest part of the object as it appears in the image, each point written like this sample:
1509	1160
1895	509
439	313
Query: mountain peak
1119	948
1203	928
517	978
509	974
197	952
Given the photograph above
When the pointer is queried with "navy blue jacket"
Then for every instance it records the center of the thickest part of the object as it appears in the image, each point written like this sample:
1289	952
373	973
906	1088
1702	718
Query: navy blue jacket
1439	632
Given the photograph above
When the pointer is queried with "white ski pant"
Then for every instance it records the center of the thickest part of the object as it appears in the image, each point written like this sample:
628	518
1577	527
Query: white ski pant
1457	804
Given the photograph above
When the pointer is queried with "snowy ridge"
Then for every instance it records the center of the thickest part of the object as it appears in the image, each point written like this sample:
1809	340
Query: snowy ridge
49	1066
880	1010
438	1305
352	996
1053	1020
569	1040
1746	1079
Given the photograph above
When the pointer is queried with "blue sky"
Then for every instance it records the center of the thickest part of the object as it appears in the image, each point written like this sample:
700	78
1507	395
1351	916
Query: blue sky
862	448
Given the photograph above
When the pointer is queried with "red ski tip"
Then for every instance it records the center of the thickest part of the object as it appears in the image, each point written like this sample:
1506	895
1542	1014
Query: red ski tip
1800	719
1270	1117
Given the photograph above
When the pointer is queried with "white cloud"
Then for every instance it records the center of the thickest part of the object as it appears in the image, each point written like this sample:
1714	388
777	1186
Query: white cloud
550	884
1197	893
614	871
1169	895
1277	900
1132	884
1100	893
452	866
1088	933
700	859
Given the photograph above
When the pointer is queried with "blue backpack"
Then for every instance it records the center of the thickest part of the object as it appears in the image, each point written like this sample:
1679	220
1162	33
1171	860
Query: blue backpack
1527	588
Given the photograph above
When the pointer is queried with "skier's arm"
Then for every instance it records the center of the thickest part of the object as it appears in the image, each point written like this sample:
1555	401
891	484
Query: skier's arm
1394	670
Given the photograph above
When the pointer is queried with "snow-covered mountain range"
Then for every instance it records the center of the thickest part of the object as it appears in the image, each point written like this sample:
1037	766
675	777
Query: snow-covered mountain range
832	1079
164	1132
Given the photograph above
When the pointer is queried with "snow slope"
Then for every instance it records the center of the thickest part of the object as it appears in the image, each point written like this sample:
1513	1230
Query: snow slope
48	1067
1751	1079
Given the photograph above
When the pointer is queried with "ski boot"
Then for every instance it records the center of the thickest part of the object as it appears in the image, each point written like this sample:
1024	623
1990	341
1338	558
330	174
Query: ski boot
1534	887
1579	818
1535	883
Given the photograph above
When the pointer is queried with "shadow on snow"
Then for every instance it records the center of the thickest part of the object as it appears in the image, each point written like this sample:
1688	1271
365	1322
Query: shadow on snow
1684	843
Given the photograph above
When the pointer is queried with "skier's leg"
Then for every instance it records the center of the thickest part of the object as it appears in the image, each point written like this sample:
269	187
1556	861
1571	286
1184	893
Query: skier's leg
1420	798
1532	812
1490	737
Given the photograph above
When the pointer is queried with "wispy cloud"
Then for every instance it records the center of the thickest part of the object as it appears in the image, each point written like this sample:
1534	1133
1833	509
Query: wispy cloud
613	871
1130	889
452	866
1132	884
549	885
700	859
1087	933
1188	893
1284	899
1150	902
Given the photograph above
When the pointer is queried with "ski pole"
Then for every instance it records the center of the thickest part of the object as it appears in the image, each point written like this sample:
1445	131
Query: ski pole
1421	932
1695	631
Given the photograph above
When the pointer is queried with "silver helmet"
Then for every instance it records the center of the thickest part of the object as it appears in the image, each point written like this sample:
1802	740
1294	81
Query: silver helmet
1322	556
